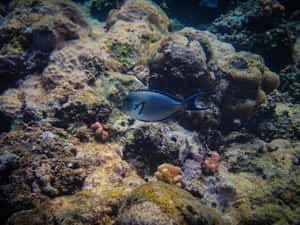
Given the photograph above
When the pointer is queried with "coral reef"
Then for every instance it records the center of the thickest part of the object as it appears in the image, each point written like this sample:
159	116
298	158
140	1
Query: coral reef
31	31
268	172
258	26
160	143
69	155
281	121
109	181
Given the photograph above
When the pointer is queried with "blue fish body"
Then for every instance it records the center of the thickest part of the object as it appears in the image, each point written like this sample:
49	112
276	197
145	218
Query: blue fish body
154	105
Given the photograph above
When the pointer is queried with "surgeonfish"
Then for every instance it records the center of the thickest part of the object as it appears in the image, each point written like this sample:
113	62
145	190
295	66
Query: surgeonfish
153	105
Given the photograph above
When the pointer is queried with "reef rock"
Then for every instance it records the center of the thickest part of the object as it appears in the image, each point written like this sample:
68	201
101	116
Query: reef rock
258	26
109	181
33	29
165	204
265	177
282	121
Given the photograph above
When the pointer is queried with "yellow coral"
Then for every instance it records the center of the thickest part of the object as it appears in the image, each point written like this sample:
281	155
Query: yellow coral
169	174
140	10
270	81
249	83
250	78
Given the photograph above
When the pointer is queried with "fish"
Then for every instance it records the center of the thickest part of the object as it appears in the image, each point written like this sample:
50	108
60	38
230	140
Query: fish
209	3
151	105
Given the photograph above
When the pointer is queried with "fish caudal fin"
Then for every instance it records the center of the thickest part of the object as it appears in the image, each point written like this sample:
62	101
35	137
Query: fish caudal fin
191	102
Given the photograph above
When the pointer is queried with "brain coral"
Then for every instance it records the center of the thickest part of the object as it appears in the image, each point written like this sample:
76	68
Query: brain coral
140	10
177	62
245	83
130	31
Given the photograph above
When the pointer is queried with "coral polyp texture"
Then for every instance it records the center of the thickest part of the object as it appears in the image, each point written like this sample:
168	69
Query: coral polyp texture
246	82
169	174
69	154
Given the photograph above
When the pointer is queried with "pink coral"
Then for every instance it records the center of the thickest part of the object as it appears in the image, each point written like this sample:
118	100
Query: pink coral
99	132
211	163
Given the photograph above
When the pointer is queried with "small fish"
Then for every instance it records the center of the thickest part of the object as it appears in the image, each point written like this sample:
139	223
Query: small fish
209	3
153	105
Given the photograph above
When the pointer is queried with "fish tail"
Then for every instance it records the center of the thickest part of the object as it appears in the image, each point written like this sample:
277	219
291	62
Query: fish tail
194	99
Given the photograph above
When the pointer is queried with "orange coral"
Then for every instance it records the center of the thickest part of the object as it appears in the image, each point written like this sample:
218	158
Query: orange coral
99	132
169	174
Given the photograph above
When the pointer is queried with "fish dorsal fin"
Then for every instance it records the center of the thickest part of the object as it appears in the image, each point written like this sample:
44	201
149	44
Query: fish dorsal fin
161	92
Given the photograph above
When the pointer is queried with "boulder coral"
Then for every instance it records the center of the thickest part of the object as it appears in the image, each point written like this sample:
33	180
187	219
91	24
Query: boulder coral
245	83
140	10
130	31
167	204
179	61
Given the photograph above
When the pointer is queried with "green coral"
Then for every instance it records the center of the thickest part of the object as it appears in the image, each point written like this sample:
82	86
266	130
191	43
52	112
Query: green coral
129	136
174	202
20	41
122	52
